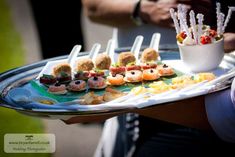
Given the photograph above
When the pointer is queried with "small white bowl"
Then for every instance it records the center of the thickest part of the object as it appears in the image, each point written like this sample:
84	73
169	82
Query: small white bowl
202	58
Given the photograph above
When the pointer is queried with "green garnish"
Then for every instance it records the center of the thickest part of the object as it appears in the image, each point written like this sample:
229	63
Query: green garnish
47	76
98	70
131	64
80	72
63	74
151	62
219	37
115	65
204	27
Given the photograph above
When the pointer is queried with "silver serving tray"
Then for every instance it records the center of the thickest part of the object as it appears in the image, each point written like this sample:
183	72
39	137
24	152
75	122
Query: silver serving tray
21	76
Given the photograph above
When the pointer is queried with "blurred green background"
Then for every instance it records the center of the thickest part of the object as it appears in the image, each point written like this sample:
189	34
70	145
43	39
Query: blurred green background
12	55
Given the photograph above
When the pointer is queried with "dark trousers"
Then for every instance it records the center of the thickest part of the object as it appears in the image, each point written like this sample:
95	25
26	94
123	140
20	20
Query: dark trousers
161	139
59	25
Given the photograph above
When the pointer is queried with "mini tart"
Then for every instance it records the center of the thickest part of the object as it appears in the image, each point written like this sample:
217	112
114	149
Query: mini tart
85	64
117	70
62	69
82	75
150	74
165	70
96	83
57	89
148	65
133	67
115	80
102	61
64	78
96	73
77	85
47	79
133	76
149	54
125	58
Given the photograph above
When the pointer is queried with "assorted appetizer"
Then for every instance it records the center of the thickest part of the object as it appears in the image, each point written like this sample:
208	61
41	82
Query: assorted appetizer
82	75
102	61
91	99
88	77
182	81
133	76
125	58
110	94
159	87
57	89
148	65
115	80
165	70
96	72
149	55
85	64
63	73
132	66
117	69
96	82
47	79
77	85
204	76
150	74
64	78
62	68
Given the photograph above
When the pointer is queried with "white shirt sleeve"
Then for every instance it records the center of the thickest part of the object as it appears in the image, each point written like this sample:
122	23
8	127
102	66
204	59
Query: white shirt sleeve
221	114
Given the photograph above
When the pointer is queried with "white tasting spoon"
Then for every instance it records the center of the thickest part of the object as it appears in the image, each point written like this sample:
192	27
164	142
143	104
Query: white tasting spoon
136	46
110	49
94	51
47	69
73	54
154	43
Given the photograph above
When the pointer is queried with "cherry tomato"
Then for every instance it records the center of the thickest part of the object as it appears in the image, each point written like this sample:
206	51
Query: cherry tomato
205	40
212	33
133	67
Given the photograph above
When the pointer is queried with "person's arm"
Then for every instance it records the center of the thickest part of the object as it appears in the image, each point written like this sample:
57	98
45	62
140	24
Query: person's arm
220	108
110	12
118	13
190	112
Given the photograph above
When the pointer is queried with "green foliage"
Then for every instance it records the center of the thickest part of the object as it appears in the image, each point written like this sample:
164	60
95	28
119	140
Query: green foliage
12	55
11	50
13	122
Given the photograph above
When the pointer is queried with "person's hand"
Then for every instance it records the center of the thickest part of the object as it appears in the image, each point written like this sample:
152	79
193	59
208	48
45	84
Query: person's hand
229	42
157	13
99	117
